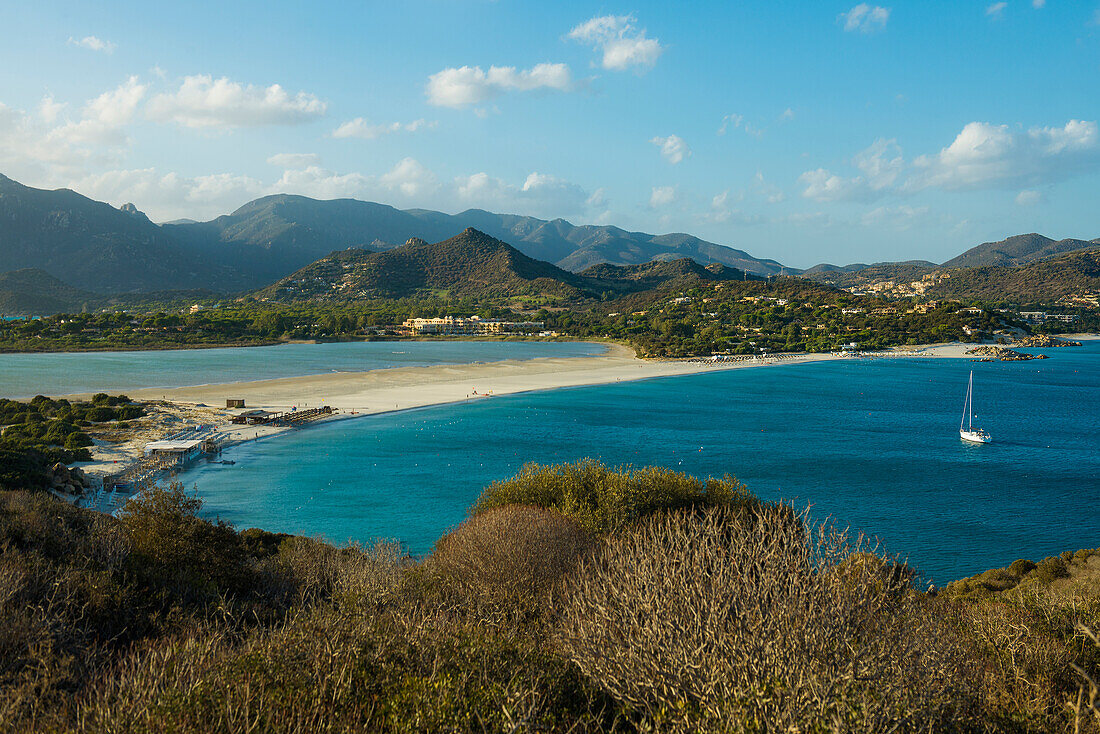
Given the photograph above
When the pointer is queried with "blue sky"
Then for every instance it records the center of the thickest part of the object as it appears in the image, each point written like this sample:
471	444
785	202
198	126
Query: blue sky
802	131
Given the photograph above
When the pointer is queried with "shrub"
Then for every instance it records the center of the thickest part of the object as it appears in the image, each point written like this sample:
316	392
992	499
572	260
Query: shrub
698	628
998	579
1032	654
1051	568
504	562
77	440
1021	567
193	559
602	499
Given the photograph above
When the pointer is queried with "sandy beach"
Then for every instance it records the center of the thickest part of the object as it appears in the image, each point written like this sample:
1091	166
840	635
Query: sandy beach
354	394
380	391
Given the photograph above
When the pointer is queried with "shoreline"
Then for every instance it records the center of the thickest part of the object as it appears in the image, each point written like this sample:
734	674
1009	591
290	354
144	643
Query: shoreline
399	389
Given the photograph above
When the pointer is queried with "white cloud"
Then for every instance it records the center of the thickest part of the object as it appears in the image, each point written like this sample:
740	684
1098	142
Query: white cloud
622	44
824	185
990	156
1038	4
320	183
45	146
865	18
103	119
49	109
409	177
733	120
674	148
92	43
205	102
662	196
996	10
118	106
982	156
881	163
470	85
786	115
736	121
361	128
168	196
539	195
294	160
1029	198
771	193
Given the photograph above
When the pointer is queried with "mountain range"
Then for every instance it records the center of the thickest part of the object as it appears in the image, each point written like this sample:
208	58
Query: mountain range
59	248
475	265
92	245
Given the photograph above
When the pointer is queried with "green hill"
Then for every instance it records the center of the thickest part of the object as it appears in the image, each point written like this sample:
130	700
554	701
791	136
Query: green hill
852	276
682	273
471	264
1018	250
1039	282
34	292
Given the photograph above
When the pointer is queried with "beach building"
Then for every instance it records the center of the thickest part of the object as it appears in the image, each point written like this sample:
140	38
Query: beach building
179	451
253	417
472	326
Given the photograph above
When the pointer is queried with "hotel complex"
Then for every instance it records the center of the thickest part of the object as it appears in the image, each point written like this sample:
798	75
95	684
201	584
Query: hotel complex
473	325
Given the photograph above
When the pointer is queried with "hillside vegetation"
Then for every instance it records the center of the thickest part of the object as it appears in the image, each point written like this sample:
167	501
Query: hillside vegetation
471	264
573	599
1040	282
32	291
1021	249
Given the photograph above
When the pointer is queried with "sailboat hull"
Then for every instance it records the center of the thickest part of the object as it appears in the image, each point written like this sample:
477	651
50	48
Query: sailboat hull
974	436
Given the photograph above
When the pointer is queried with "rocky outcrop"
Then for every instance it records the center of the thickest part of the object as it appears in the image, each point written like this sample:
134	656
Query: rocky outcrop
1043	341
1003	355
68	481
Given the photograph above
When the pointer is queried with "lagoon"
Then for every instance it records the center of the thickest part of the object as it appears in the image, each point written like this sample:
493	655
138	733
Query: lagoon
63	373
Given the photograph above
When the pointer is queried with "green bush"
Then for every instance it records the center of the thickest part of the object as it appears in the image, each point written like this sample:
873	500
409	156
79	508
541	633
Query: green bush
602	499
77	440
174	548
1021	567
1050	569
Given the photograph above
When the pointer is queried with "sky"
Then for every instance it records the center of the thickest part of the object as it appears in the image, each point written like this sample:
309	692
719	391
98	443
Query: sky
806	132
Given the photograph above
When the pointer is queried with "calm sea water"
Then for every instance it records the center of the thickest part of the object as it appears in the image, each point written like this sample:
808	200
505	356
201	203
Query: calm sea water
26	375
874	444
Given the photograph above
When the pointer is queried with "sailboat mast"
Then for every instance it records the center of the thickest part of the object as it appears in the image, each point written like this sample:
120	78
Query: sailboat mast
970	401
966	401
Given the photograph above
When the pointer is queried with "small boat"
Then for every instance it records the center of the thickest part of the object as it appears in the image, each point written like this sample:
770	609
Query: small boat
970	433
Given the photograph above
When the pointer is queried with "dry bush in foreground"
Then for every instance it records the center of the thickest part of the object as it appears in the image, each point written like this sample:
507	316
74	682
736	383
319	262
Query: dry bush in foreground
505	561
1088	691
713	624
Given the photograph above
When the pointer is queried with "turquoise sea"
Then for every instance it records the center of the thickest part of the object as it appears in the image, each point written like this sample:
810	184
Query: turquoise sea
62	373
872	443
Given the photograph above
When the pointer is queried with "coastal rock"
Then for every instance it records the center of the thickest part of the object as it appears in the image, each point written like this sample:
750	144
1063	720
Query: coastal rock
1043	341
1003	355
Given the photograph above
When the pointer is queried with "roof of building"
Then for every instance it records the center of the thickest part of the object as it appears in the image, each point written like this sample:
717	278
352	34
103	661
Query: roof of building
182	445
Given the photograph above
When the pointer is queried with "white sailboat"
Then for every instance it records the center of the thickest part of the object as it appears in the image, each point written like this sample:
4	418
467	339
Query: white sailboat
970	433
